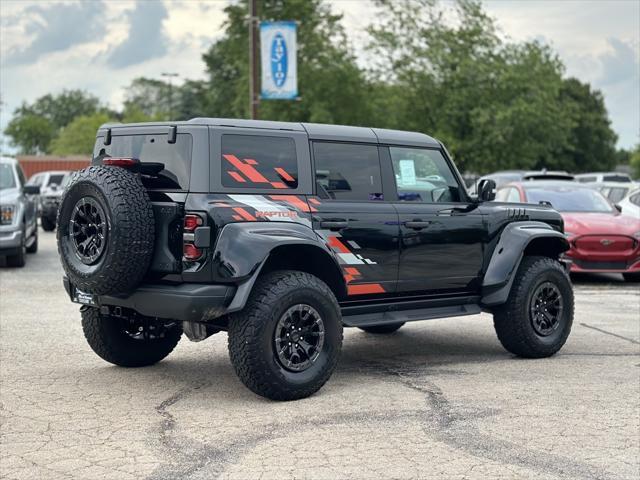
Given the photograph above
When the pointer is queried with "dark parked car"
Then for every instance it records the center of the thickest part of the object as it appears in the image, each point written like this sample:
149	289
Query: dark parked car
602	239
18	221
283	233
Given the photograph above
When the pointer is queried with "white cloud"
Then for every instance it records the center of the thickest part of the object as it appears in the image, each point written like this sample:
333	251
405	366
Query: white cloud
63	46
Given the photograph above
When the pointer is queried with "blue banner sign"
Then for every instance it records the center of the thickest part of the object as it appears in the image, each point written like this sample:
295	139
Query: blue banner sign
278	60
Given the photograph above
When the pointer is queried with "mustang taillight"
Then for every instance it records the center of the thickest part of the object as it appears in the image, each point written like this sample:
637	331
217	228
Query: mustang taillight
190	252
124	162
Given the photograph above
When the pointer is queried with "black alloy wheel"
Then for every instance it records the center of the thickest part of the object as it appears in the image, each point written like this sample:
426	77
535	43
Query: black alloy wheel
299	337
88	230
546	309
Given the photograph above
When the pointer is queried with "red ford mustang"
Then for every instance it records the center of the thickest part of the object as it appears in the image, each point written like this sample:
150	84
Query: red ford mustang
602	239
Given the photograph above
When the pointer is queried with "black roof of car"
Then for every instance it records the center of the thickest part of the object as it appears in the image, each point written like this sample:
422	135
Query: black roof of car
316	131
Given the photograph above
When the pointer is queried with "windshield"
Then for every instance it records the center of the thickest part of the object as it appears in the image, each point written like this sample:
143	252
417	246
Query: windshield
7	179
567	199
55	179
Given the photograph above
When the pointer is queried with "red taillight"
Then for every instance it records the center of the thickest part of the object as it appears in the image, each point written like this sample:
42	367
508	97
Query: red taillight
120	162
191	252
191	222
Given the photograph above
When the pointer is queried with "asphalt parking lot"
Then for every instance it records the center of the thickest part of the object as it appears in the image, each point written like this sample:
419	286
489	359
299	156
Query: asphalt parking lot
437	399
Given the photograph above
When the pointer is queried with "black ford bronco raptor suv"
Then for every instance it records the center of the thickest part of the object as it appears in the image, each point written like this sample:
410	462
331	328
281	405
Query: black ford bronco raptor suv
282	233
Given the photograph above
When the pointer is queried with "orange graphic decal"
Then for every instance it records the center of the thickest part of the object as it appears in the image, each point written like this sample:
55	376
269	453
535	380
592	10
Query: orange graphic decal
351	274
278	185
247	169
294	202
365	288
236	176
284	174
338	245
244	214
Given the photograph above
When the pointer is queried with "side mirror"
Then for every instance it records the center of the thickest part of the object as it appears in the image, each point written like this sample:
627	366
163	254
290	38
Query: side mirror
618	207
486	190
31	189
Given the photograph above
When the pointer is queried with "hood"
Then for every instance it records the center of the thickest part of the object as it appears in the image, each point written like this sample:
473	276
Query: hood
9	195
600	223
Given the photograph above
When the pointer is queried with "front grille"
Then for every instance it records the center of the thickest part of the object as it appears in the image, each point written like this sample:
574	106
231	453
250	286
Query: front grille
605	243
600	265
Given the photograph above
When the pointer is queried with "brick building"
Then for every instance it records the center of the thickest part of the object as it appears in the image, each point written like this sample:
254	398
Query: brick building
32	164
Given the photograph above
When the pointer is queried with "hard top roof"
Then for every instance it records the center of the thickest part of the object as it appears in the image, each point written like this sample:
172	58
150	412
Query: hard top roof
315	131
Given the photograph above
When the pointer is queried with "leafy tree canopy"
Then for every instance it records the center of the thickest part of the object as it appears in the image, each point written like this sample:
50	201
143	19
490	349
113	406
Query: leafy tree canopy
79	136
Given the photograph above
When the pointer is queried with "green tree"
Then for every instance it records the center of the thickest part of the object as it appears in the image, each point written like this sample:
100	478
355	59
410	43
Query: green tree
634	161
79	136
592	142
53	112
495	104
149	97
332	87
30	133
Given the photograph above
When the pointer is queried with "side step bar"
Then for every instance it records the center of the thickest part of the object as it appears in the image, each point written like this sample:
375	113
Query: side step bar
381	318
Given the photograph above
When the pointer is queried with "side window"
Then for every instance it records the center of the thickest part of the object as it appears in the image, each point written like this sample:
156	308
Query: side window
423	176
635	199
347	171
514	196
20	176
257	161
502	194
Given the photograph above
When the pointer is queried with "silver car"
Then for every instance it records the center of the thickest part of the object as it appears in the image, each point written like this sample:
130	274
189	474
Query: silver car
18	214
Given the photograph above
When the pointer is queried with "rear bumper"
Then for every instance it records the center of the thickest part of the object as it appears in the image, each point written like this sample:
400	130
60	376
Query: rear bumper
190	302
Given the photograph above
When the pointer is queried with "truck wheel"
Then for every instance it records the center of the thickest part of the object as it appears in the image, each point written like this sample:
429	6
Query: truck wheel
48	224
105	230
536	319
382	329
19	259
631	277
285	343
33	248
129	342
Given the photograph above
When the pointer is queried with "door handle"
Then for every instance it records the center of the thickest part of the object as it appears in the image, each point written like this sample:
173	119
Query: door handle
417	224
334	224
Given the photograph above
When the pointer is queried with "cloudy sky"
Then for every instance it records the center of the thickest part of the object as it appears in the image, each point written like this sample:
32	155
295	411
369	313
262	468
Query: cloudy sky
101	45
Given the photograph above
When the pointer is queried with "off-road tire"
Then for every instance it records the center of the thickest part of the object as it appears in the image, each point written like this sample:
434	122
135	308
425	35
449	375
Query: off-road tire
109	340
631	277
251	333
130	230
33	248
48	224
383	329
513	322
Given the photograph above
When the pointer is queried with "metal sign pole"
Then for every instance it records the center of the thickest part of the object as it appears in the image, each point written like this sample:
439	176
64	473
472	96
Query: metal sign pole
253	59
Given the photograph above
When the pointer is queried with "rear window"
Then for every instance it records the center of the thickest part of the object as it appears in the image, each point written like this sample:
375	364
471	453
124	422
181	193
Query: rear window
55	179
617	178
259	161
174	157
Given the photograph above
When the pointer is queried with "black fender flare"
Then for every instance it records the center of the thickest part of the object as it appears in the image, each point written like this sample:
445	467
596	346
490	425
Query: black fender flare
507	255
242	249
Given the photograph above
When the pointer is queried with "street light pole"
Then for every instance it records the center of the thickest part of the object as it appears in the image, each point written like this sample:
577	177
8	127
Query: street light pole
169	76
253	59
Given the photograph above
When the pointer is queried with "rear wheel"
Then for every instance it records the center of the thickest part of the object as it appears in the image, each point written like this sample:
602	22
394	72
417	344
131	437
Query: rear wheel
48	224
285	343
537	317
19	259
105	230
631	277
135	342
382	329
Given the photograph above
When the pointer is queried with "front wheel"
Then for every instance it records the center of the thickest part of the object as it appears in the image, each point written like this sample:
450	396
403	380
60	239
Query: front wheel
285	343
129	342
537	317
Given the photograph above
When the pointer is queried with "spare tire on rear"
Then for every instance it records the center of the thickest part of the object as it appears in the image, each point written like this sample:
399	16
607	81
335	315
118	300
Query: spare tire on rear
105	230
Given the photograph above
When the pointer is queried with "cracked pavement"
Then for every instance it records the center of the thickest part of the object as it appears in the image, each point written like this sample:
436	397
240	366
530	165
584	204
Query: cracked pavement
437	399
